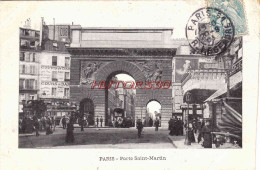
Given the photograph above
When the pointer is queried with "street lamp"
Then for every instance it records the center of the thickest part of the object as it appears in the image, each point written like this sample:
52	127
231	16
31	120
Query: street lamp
228	62
188	100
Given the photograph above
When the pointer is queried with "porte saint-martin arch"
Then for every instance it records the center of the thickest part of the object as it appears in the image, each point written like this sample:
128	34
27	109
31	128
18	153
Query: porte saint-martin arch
145	54
97	54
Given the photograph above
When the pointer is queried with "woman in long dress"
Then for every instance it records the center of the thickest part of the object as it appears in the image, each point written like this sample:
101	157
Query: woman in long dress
70	134
206	134
191	136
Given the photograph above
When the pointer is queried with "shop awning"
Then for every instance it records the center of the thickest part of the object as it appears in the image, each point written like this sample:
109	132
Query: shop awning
230	121
222	91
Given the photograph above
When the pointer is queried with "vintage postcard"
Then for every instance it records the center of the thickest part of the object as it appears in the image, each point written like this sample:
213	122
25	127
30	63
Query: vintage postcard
116	84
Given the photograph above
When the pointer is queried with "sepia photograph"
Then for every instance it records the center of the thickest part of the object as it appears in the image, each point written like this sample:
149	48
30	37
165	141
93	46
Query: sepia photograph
90	87
124	84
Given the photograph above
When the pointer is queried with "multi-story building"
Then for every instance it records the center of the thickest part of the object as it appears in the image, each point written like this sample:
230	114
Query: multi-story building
29	66
127	96
55	69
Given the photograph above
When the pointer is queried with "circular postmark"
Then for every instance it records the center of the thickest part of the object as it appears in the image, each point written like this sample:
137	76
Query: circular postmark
209	31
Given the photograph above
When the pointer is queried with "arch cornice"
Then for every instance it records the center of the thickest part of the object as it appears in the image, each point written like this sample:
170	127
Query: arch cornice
120	66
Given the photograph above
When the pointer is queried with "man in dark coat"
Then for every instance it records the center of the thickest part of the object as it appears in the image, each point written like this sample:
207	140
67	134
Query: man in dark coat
191	136
199	124
82	121
97	121
36	125
101	121
206	134
63	121
48	126
139	126
171	128
156	124
70	134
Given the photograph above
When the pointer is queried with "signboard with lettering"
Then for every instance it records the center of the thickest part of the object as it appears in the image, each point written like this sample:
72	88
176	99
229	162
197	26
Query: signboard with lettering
52	82
51	89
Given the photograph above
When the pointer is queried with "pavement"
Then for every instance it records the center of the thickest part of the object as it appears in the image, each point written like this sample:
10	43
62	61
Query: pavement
178	142
99	138
119	138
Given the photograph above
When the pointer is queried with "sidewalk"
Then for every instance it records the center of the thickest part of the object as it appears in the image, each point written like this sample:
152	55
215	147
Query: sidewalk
178	142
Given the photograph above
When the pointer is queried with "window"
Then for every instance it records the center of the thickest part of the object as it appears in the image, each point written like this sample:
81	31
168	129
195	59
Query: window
21	83
27	84
31	84
66	92
22	69
67	62
53	91
27	56
54	75
54	60
32	70
67	76
33	57
35	84
22	56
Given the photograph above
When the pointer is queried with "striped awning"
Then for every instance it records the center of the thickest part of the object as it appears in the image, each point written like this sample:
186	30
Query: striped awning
230	121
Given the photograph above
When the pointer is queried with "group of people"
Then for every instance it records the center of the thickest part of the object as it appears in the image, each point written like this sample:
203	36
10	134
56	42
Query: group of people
140	126
175	126
29	124
125	122
199	131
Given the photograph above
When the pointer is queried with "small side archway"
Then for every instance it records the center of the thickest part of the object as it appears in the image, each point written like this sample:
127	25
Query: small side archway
86	107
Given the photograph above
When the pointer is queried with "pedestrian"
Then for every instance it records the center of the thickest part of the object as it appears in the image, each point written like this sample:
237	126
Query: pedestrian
97	121
199	127
191	136
179	124
206	134
63	121
70	135
54	122
48	126
171	121
82	123
156	124
36	125
101	121
139	126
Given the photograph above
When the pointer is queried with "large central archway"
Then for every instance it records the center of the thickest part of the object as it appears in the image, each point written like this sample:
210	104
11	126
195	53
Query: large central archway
87	71
119	101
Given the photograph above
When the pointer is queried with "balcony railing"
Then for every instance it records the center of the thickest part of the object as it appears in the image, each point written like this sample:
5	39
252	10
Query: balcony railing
203	74
210	79
236	67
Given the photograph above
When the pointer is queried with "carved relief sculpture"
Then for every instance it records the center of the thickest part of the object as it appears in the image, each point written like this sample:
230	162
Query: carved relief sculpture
88	71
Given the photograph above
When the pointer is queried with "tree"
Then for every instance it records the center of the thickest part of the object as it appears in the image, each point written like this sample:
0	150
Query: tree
38	107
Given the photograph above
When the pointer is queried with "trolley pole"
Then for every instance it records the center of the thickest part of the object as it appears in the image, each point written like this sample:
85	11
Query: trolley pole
188	100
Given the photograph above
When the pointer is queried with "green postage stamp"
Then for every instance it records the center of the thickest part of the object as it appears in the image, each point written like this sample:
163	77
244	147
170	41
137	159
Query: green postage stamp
235	10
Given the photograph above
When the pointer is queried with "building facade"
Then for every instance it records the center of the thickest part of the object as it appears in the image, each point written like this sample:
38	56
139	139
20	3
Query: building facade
54	76
28	66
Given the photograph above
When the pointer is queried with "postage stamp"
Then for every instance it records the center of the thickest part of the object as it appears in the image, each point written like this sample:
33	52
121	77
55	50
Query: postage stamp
235	10
209	31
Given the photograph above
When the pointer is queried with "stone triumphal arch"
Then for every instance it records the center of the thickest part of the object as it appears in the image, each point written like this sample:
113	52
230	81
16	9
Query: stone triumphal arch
145	54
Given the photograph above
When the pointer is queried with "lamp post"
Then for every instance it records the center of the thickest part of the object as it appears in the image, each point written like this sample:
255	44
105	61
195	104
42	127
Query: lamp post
228	59
188	100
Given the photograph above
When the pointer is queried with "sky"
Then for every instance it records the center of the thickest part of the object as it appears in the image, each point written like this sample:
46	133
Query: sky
134	14
112	14
151	106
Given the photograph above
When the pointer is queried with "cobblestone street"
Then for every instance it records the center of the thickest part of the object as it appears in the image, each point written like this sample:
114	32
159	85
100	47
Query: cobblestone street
100	138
